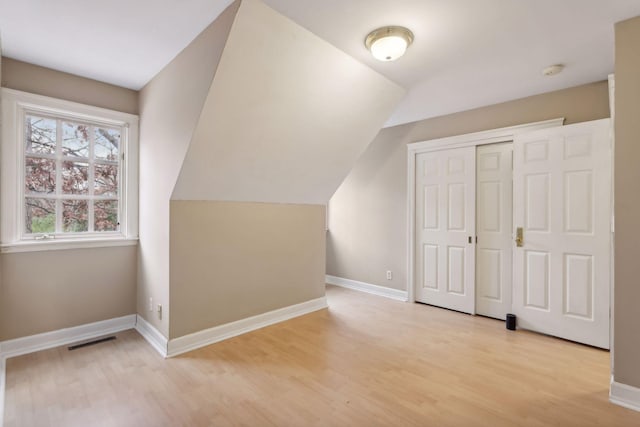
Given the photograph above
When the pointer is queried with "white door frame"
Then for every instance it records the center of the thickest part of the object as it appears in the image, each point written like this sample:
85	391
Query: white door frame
612	113
505	134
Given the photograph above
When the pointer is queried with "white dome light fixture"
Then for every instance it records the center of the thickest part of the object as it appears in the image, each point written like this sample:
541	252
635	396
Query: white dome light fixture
552	70
389	43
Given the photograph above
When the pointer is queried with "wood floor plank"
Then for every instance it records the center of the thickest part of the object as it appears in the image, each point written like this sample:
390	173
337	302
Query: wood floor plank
366	361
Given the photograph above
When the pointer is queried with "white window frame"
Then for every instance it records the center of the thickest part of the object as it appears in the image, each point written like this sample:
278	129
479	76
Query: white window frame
15	106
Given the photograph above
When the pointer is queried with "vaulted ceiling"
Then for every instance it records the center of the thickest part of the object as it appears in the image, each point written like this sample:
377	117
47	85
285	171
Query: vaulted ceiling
467	53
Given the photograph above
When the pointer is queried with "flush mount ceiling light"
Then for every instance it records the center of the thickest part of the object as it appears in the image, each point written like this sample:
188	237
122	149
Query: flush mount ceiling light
388	43
552	70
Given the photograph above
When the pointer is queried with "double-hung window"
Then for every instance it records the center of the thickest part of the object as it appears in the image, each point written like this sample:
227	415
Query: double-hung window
69	175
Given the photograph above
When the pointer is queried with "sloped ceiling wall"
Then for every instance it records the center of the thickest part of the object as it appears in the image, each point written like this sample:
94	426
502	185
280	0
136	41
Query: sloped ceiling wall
170	105
256	109
286	117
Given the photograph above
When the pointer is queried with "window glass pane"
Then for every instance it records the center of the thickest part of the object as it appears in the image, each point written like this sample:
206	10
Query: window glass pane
40	175
40	215
106	215
106	180
75	216
68	172
75	139
107	144
40	135
75	178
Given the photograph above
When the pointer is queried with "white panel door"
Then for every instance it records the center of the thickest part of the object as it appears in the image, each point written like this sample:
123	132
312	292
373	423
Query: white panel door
445	224
562	200
494	211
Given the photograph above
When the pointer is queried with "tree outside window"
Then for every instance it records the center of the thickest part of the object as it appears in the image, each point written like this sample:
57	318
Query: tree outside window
72	176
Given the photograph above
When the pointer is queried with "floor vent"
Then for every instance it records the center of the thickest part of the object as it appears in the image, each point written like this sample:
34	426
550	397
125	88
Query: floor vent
91	342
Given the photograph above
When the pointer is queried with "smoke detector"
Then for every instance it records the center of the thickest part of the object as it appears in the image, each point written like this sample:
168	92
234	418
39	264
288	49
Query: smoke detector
552	70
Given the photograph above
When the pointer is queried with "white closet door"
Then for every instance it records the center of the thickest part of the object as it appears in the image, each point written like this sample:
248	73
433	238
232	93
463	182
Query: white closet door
445	224
494	211
562	201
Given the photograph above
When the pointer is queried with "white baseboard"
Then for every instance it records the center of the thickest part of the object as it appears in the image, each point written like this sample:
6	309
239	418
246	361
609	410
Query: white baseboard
368	288
209	336
625	395
47	340
152	335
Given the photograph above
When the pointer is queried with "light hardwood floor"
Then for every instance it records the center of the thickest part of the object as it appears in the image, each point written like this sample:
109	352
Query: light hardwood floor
367	361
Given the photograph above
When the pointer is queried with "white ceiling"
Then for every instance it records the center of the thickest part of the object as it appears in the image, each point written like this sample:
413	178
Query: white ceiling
466	54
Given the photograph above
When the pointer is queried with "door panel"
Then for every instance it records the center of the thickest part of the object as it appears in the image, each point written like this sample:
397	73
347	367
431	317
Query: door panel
493	227
562	199
455	282
537	279
445	204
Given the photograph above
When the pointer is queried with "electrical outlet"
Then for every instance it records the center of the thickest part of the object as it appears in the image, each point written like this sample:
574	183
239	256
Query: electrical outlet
159	311
150	304
389	275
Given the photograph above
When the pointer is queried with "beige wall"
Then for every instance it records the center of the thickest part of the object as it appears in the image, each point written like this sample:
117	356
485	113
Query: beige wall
170	105
49	290
627	204
44	81
233	260
367	214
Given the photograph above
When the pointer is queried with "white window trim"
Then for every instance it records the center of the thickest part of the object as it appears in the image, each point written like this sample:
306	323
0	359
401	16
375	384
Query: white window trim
14	104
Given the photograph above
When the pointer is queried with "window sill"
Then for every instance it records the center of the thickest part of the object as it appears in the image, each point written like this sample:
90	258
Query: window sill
61	244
